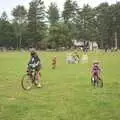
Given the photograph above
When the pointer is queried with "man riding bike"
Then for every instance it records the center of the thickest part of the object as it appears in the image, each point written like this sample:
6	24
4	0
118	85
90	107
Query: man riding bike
34	64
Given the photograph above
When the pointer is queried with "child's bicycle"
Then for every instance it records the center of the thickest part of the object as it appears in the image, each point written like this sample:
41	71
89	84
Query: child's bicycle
28	80
96	81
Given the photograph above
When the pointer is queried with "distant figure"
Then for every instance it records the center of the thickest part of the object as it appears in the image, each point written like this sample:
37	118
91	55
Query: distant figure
106	48
85	46
54	62
76	57
72	58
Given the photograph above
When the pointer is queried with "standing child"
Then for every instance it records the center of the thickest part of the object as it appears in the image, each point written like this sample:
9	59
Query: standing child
54	62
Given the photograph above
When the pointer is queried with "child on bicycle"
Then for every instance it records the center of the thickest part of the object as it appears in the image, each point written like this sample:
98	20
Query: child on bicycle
34	64
96	70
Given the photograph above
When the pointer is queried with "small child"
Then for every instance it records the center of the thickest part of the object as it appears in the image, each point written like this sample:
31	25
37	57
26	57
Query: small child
54	62
96	70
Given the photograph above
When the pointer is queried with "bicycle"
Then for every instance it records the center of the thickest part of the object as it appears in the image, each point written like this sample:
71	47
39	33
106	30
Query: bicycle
28	80
96	81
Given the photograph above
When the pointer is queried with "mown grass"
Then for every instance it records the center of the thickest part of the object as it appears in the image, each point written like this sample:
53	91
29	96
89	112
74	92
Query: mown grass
66	93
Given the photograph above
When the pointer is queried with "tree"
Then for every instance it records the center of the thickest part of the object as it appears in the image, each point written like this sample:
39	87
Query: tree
69	12
115	24
85	23
59	36
36	15
53	14
103	26
36	25
7	37
19	14
4	16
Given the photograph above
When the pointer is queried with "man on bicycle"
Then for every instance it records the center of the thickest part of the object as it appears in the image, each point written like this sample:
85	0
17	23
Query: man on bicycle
96	70
34	64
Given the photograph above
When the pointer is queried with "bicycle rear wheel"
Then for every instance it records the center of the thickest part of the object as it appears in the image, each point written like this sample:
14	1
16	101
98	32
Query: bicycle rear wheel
26	82
97	82
100	83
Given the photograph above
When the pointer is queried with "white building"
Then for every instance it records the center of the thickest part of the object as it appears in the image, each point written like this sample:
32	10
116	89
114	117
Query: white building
79	44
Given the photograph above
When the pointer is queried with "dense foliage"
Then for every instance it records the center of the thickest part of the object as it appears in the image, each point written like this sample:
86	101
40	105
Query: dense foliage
49	28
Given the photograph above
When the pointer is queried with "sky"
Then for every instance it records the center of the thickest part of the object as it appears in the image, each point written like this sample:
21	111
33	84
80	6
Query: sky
8	5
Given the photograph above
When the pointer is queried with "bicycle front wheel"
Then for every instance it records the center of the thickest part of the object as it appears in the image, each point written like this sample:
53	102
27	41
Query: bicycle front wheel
26	82
100	83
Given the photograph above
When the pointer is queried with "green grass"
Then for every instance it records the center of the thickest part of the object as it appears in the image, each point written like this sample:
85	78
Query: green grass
66	93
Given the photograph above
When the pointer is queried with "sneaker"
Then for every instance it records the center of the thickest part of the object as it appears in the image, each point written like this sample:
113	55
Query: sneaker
39	85
28	88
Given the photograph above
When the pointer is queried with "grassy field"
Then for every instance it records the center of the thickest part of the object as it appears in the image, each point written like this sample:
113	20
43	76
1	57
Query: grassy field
66	93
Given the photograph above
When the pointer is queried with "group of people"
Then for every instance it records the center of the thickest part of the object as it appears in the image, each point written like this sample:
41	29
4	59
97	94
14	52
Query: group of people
35	63
73	58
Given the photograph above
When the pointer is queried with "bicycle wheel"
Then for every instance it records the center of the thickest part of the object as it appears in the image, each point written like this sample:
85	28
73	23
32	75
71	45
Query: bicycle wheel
100	83
26	82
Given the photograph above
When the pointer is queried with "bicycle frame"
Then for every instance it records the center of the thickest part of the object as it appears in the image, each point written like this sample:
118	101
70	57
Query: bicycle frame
32	74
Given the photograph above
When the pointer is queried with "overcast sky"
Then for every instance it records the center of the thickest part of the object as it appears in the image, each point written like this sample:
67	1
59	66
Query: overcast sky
8	5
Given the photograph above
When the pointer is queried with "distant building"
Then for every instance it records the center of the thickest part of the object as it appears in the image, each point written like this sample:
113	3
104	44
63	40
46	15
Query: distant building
93	45
78	43
88	44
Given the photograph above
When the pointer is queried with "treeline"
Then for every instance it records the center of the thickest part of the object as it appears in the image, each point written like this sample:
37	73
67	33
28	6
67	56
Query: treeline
49	28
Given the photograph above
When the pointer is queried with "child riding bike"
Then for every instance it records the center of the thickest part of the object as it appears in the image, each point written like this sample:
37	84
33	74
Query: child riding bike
96	70
34	64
